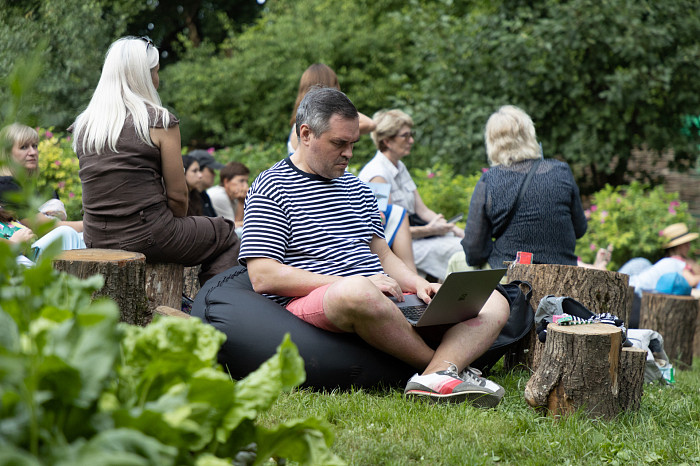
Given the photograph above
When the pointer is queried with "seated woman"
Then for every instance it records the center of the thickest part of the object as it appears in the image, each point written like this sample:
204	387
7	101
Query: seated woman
644	275
228	199
549	217
134	190
22	142
14	232
436	240
193	178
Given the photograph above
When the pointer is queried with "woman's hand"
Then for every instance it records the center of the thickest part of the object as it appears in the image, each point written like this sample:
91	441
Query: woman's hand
438	226
22	235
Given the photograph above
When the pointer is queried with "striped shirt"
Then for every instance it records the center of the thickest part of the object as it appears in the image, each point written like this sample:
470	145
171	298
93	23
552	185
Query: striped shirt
311	223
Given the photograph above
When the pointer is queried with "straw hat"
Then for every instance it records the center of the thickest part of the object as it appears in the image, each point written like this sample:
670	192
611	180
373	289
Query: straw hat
677	234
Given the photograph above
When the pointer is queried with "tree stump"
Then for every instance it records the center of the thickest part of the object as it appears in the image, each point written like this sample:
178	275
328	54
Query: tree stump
164	285
137	287
124	275
599	290
190	281
696	340
580	369
171	312
632	364
674	317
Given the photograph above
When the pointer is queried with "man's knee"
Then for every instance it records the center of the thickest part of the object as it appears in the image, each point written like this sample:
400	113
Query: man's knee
496	309
355	296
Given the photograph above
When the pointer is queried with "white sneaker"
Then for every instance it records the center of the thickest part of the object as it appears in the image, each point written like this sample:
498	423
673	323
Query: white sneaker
451	387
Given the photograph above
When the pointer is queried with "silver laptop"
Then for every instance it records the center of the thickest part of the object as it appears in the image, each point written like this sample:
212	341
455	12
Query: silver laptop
461	297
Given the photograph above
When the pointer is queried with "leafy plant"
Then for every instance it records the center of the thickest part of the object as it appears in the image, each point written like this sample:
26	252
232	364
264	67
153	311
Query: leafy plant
630	218
58	169
443	191
76	387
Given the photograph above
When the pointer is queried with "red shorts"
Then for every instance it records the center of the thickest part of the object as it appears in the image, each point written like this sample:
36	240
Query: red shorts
309	308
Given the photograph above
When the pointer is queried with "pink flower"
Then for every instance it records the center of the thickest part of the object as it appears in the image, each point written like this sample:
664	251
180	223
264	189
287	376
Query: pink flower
61	184
211	150
587	214
67	138
48	135
57	163
431	175
671	210
674	204
603	214
484	170
618	200
71	195
661	232
593	247
594	208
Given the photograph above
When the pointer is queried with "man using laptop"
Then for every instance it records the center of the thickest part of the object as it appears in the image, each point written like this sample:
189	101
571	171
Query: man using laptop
313	242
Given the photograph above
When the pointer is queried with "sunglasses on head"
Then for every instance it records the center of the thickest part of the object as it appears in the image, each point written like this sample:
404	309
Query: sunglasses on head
148	41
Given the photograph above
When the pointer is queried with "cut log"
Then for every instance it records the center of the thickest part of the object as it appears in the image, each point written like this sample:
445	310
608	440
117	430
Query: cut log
579	370
137	287
696	339
190	281
164	285
124	275
599	290
171	312
632	363
674	317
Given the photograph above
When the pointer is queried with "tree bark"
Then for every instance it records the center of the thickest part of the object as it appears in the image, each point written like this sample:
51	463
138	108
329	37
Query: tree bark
599	290
164	285
674	317
580	369
124	275
190	281
632	363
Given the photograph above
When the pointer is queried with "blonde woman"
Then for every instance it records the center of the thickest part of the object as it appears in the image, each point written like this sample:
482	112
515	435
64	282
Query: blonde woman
434	239
549	218
134	190
19	151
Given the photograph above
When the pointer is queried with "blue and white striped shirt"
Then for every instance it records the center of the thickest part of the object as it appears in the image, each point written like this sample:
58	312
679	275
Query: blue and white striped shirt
312	223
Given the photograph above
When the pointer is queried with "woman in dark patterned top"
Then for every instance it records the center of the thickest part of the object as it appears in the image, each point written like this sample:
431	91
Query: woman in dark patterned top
134	190
550	217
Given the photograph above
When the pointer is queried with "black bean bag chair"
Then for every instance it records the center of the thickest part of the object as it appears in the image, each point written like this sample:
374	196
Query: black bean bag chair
254	327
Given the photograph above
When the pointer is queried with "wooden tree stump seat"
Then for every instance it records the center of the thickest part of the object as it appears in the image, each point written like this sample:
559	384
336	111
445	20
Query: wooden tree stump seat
136	286
674	317
599	290
583	367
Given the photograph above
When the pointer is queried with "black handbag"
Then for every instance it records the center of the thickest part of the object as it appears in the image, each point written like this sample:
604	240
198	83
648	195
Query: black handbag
520	322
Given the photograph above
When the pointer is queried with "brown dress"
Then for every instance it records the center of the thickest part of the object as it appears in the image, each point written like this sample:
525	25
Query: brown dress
125	207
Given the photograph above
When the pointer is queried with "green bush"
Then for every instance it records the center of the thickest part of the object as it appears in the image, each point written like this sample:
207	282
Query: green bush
631	219
445	192
79	388
58	170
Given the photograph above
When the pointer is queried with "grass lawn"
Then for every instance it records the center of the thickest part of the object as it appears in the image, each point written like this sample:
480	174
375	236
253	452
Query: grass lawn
380	427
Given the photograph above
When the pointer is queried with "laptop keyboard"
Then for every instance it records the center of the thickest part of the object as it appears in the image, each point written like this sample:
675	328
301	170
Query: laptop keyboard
413	313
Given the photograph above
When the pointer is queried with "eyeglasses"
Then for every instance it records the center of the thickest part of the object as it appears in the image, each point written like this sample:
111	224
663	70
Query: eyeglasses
148	41
407	135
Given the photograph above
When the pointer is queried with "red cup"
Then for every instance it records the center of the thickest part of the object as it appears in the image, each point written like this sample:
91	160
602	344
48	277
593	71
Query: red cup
523	257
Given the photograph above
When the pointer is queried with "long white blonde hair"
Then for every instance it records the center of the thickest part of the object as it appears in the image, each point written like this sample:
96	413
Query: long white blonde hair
125	87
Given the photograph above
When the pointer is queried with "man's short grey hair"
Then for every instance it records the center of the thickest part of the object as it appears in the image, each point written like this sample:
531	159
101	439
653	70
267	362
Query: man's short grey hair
319	105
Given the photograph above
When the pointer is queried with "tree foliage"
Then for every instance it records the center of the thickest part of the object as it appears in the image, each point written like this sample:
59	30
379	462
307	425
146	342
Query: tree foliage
72	37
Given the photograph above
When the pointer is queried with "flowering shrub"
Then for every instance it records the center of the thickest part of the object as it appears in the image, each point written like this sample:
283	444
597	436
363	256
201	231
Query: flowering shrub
631	219
58	170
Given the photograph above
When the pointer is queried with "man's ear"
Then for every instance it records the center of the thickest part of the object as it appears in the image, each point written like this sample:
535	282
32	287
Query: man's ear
305	133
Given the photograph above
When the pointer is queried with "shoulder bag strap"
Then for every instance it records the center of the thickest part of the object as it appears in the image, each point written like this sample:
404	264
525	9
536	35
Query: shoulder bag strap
523	188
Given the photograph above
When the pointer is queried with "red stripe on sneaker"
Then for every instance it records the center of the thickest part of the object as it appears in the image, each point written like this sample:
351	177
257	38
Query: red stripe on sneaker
448	387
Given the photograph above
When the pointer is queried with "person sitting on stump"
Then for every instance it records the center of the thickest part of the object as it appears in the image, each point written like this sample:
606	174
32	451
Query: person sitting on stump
313	242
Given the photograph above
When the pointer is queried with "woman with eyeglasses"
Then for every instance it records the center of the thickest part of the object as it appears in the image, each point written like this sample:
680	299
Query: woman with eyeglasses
134	192
434	239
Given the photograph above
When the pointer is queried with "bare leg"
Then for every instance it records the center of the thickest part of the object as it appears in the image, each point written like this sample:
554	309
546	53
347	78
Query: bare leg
464	342
356	305
403	245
